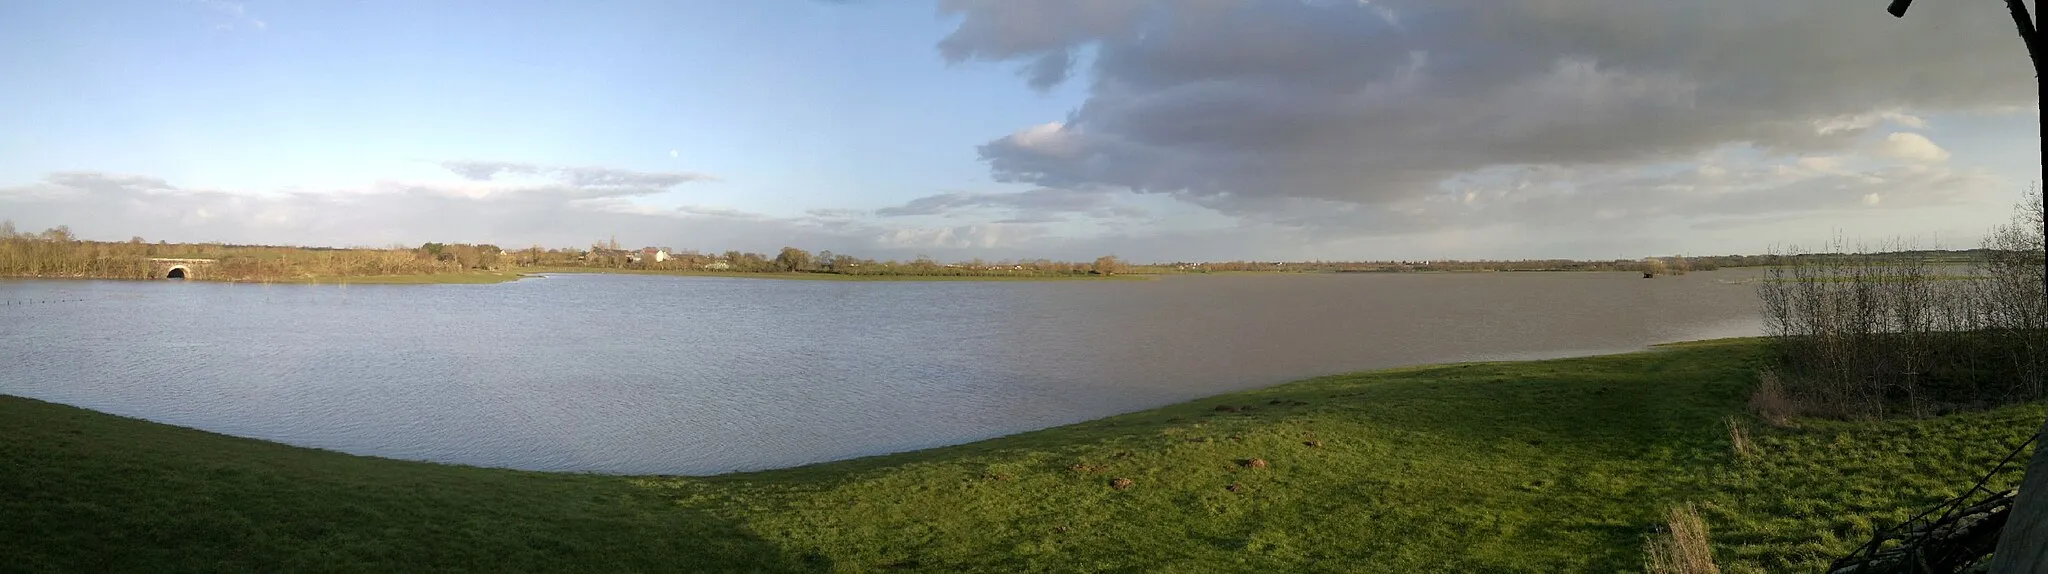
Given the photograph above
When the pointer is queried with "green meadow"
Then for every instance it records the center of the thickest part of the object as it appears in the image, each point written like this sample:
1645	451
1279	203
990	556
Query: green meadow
1547	466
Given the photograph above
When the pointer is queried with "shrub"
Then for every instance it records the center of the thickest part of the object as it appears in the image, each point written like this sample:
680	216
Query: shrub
1769	402
1865	332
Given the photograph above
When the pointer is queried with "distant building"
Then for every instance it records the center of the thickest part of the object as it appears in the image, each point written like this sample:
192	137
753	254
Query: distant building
718	266
647	255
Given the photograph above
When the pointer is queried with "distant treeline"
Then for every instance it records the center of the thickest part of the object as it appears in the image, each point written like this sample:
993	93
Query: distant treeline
56	252
795	260
1407	266
792	259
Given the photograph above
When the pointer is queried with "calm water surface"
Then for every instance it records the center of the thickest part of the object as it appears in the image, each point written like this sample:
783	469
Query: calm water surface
673	375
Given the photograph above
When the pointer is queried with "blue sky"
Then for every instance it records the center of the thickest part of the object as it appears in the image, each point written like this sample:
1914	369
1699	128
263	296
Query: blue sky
788	101
1169	130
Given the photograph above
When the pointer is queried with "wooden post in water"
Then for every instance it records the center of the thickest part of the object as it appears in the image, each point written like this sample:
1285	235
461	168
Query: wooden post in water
2023	545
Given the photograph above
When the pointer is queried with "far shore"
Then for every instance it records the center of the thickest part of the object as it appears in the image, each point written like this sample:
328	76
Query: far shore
517	273
804	276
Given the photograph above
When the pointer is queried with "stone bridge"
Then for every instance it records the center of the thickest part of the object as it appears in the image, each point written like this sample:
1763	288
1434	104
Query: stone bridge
177	268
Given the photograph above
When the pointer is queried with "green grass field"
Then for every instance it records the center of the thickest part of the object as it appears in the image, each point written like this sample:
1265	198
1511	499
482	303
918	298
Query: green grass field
1550	466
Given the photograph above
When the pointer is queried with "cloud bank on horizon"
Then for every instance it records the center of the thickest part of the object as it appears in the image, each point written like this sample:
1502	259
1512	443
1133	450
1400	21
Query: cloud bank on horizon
1218	129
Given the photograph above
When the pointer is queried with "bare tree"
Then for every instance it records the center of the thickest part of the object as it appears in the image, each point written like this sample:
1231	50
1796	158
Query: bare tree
2023	546
1108	265
1653	267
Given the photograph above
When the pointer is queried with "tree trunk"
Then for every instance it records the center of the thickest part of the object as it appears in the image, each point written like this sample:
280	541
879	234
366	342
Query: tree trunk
2023	546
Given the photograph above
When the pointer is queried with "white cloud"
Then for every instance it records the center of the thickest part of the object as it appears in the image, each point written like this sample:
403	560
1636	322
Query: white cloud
987	236
1864	121
1037	205
232	15
1823	164
1910	146
574	207
1050	138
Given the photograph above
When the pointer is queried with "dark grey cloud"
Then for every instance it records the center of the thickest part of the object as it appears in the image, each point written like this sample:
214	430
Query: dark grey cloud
1758	194
1250	105
1042	205
1553	202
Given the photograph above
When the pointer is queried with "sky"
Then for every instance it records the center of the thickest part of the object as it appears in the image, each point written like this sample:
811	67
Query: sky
1156	130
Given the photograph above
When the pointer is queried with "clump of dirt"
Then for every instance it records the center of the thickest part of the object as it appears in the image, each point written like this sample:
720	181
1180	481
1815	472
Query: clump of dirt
1313	444
1085	468
1253	463
1122	483
1234	487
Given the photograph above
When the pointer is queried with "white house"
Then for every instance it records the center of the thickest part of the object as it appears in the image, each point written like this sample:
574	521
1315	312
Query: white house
651	255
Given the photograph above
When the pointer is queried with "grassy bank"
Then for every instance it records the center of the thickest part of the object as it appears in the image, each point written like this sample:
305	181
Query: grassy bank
798	276
1549	466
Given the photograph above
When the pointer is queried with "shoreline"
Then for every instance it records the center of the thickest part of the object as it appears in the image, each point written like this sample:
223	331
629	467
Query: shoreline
518	273
515	274
796	276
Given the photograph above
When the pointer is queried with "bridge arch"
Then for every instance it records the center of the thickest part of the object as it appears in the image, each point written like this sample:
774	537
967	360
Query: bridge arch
171	268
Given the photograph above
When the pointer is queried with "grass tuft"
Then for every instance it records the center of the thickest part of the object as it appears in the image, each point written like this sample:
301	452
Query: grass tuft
1682	548
1738	439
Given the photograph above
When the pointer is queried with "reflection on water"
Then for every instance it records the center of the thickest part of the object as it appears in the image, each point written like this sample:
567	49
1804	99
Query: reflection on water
651	374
